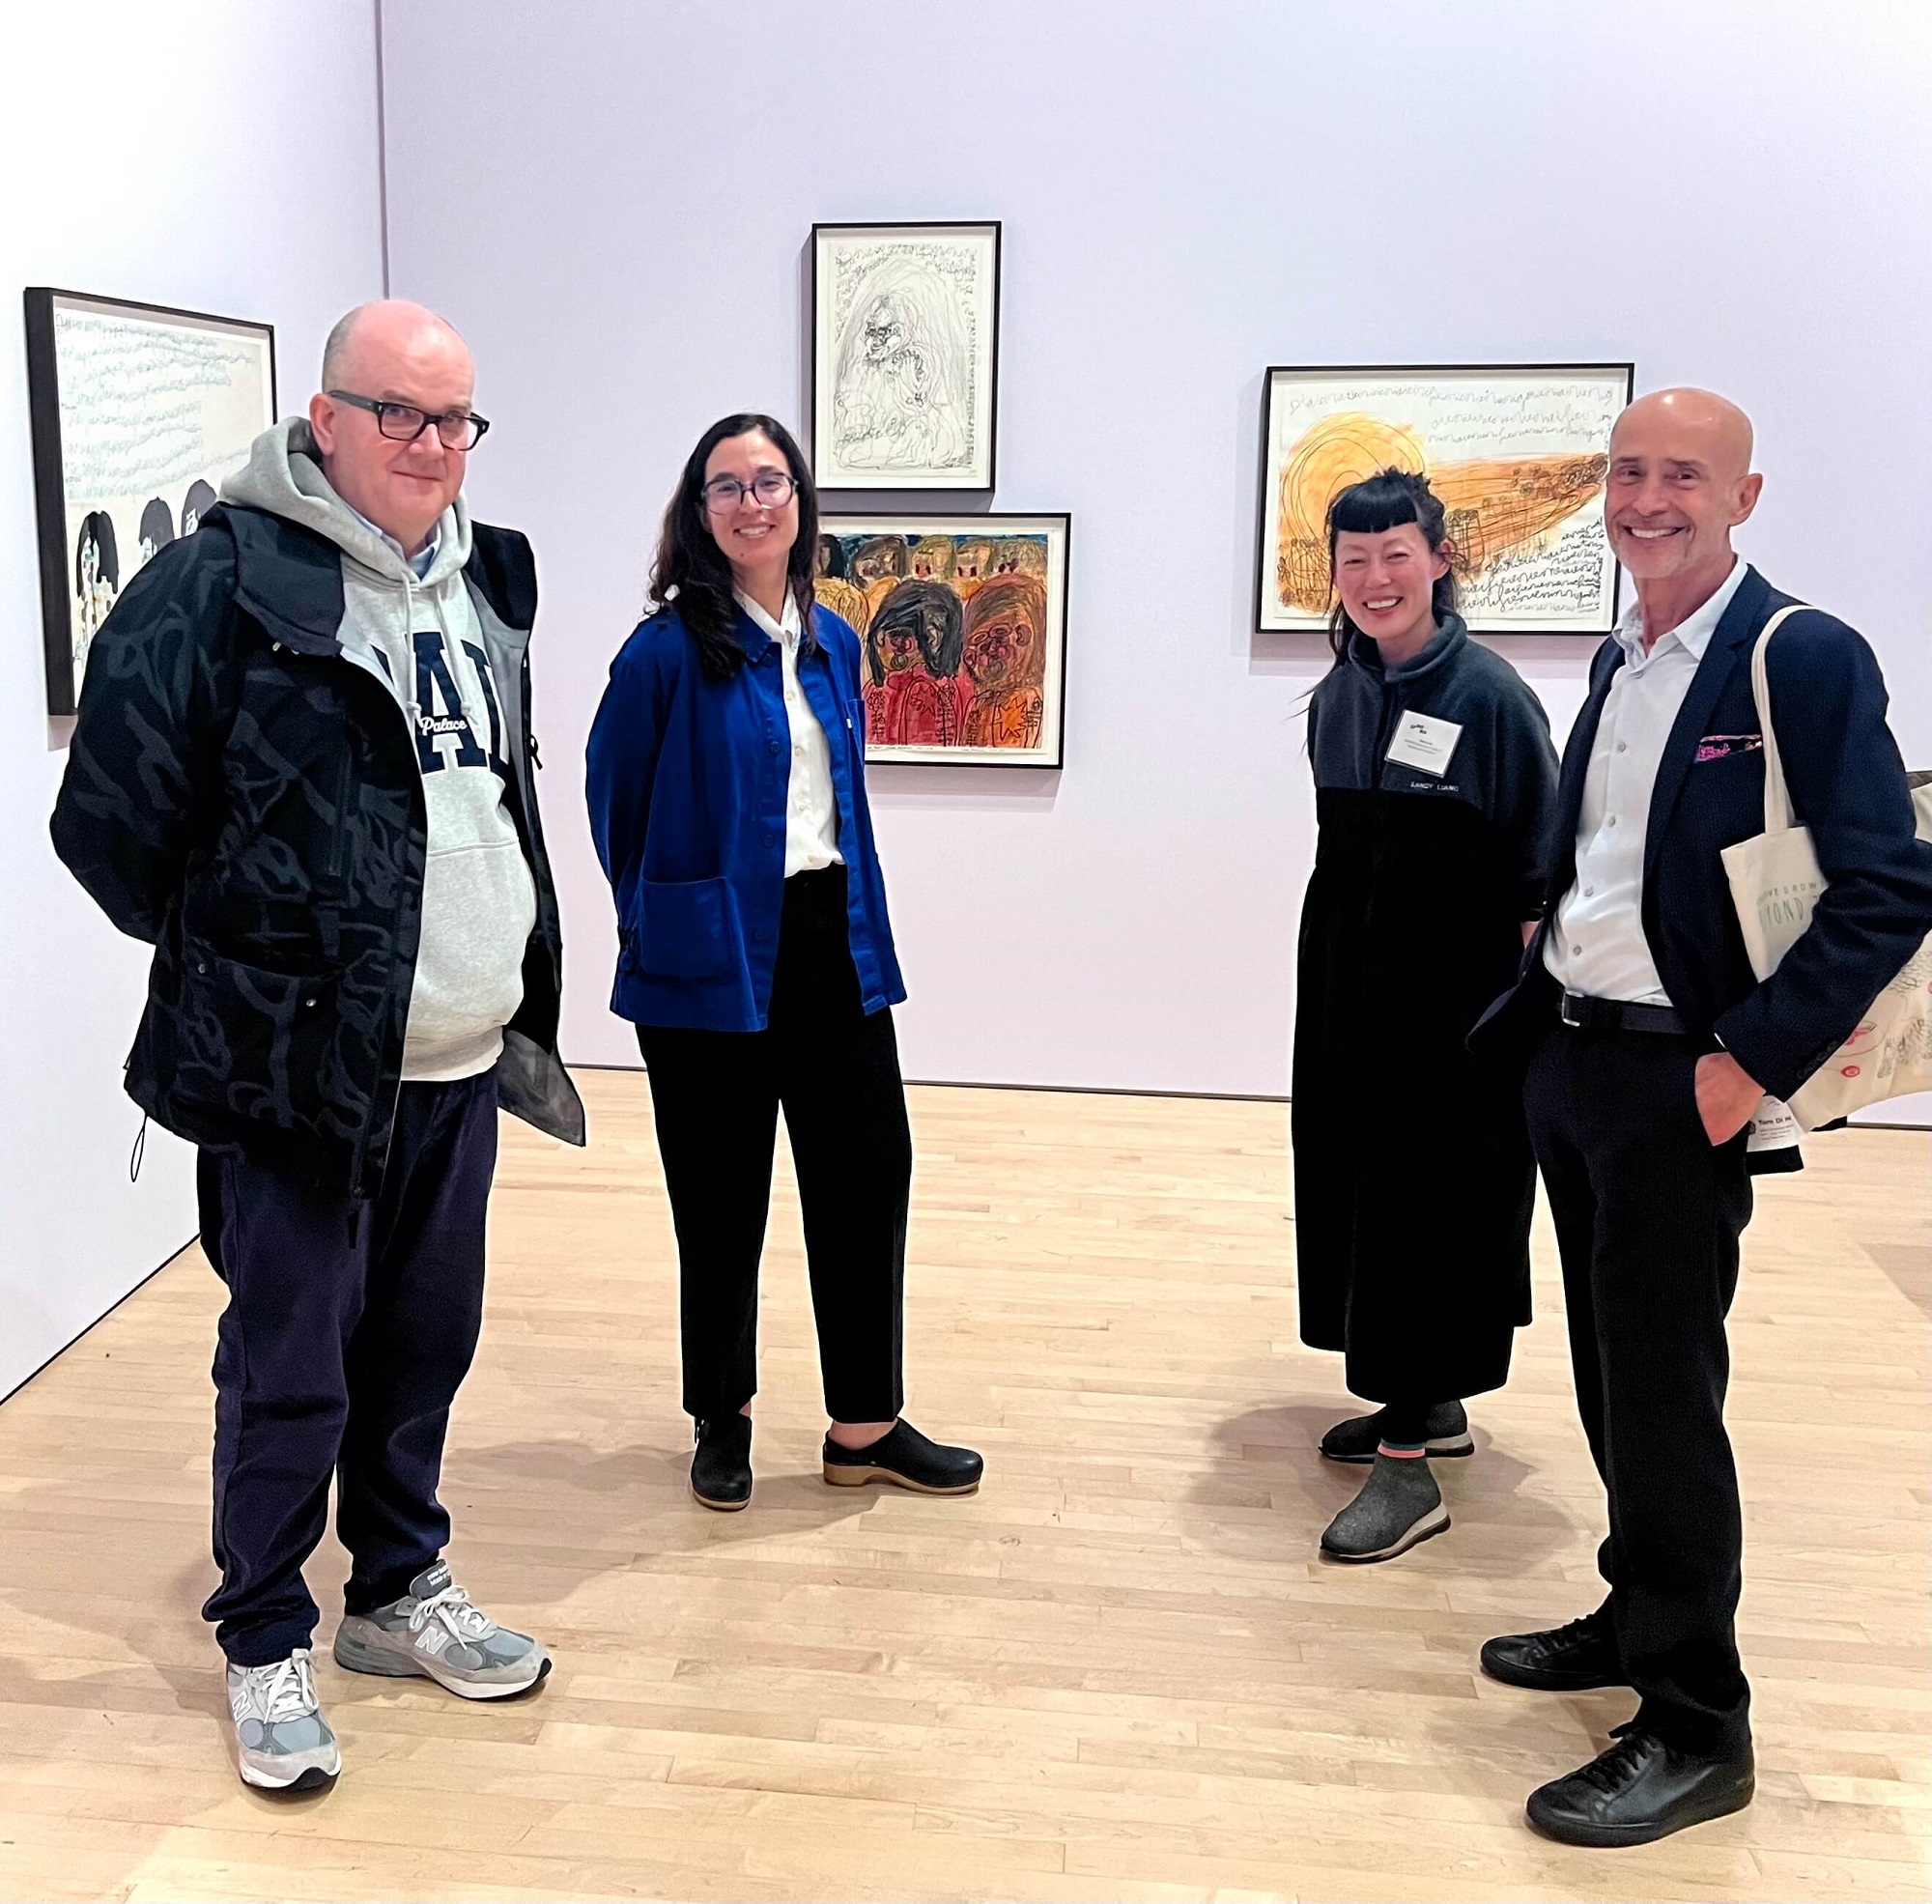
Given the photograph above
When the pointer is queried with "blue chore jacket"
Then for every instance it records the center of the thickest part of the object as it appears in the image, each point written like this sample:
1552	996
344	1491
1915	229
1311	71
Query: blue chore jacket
687	780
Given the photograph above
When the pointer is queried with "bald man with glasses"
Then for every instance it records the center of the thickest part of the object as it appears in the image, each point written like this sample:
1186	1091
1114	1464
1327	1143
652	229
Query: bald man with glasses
302	772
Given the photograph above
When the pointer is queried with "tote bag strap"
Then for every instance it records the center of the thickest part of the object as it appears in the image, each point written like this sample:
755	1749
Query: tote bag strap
1776	794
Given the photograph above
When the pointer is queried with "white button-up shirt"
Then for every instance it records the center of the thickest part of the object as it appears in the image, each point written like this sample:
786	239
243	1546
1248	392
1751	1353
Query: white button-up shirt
1598	947
811	807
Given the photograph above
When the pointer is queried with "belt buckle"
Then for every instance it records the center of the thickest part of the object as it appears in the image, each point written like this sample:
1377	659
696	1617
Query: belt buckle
1569	1010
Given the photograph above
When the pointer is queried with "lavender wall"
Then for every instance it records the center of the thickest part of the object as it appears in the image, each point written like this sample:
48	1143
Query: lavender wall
612	201
220	155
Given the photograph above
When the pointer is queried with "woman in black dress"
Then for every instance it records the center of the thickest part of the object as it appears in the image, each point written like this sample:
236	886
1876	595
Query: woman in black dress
1413	1179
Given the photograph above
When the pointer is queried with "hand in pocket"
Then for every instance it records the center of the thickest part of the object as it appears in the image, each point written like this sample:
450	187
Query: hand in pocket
1727	1095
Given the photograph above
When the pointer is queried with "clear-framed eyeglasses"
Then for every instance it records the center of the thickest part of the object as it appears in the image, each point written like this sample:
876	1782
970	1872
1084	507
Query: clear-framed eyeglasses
403	422
770	488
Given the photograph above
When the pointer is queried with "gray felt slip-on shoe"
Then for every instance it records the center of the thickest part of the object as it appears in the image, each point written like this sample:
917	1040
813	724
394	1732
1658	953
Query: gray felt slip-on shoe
1400	1505
1446	1435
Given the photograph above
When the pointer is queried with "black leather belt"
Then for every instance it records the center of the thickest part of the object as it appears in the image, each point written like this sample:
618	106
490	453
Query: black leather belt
1615	1014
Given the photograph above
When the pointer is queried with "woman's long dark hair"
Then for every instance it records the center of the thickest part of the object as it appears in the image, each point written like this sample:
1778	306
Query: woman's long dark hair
690	574
1382	502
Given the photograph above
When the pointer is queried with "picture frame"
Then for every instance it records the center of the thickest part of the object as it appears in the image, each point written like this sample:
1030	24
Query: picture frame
1518	453
905	355
947	683
137	413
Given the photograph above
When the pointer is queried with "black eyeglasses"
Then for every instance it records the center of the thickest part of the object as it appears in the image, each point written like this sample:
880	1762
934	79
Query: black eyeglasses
403	422
768	487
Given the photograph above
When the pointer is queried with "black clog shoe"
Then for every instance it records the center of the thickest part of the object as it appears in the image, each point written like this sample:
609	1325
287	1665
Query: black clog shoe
905	1459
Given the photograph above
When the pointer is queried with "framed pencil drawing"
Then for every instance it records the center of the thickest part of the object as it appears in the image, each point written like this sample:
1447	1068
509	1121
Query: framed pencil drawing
1516	452
138	412
962	630
905	355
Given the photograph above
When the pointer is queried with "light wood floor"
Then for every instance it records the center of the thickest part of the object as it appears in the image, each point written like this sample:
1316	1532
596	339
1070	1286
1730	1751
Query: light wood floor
1118	1672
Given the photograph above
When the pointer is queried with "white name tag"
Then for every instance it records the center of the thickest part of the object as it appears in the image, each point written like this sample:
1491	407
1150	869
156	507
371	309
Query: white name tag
1424	742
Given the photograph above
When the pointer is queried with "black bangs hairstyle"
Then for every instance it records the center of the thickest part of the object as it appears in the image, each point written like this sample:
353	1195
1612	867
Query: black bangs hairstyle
1382	502
691	573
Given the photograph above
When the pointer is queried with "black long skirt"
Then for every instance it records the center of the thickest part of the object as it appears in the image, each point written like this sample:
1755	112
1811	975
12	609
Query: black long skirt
1413	1177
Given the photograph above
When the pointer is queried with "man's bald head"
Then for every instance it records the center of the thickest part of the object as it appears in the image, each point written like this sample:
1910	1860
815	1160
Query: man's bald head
1680	480
1690	415
381	328
380	357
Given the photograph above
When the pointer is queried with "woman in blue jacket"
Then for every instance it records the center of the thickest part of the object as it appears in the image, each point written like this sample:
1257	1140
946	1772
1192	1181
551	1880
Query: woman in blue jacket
728	798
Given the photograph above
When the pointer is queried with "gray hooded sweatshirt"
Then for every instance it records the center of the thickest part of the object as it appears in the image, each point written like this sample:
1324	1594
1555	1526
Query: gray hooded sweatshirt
418	635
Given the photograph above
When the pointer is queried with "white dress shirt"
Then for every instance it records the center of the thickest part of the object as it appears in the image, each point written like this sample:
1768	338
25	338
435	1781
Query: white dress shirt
1598	947
811	807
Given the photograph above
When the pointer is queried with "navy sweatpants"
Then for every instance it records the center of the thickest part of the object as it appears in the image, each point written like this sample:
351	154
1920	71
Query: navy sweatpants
350	1326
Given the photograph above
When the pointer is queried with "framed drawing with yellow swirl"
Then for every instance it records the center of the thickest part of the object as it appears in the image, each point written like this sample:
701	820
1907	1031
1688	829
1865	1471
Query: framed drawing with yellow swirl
1516	452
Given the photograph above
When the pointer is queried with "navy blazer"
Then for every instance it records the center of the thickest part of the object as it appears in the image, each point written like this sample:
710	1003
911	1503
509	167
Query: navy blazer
1847	785
687	778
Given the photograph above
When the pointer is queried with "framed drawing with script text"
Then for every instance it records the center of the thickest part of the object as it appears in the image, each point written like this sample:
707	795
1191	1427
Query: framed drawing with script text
138	412
1516	452
962	633
905	355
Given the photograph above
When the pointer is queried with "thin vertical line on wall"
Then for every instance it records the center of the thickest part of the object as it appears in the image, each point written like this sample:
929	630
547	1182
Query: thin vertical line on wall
382	149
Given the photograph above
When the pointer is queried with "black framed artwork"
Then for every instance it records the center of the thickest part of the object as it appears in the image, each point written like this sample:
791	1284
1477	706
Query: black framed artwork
962	629
905	355
1516	452
138	412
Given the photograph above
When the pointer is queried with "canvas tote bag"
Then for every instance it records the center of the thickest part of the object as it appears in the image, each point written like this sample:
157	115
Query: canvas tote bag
1775	885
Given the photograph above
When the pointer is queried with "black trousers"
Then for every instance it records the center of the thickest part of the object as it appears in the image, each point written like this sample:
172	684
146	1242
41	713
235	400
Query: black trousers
716	1097
350	1326
1648	1215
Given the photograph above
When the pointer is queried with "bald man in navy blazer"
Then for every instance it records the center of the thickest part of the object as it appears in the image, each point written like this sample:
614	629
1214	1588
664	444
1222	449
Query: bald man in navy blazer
1648	1043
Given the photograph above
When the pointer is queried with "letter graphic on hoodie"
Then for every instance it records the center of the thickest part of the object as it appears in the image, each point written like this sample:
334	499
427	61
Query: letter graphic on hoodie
441	707
421	637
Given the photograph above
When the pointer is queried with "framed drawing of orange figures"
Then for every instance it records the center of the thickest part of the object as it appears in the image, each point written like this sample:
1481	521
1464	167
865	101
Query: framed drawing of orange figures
962	633
905	355
1516	452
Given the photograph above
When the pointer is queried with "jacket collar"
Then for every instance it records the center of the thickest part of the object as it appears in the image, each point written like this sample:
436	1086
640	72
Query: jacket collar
1441	648
289	577
1749	609
756	642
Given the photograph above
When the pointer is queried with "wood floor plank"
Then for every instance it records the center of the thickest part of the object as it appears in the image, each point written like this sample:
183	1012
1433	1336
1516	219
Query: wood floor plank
1120	1671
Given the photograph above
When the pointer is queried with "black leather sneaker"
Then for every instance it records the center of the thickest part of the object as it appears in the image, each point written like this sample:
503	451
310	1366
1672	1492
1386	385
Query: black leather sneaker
906	1458
720	1467
1575	1658
1641	1790
1356	1439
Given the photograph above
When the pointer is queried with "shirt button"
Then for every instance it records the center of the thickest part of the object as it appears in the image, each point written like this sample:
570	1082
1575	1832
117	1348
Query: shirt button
1612	821
1589	892
757	936
771	747
1575	950
1623	747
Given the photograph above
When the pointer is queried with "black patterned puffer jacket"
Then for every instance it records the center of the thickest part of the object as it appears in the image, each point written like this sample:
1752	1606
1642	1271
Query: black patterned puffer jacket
248	801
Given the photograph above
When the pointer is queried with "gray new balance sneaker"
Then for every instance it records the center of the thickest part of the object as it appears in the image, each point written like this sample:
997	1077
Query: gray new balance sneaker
282	1742
433	1632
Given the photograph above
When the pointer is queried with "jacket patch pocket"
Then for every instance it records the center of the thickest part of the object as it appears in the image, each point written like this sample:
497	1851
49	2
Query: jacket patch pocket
685	929
260	1044
1726	747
